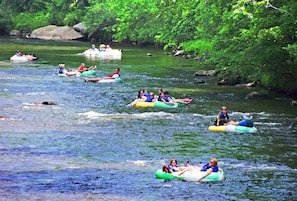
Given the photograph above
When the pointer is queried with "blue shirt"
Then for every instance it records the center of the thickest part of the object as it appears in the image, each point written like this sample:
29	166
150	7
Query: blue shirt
149	98
246	122
207	166
167	98
174	168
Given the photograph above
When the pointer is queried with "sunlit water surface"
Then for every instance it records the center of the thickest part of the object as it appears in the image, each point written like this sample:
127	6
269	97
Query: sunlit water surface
91	146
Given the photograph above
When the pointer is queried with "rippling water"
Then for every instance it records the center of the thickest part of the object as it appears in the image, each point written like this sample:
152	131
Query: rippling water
90	146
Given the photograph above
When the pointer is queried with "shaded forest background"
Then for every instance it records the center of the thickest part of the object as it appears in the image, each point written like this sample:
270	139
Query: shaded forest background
253	39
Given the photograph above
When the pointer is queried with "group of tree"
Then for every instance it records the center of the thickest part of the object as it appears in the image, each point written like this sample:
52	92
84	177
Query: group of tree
250	38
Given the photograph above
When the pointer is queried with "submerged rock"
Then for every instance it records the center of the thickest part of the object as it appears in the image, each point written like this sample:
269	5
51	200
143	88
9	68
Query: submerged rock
205	73
256	94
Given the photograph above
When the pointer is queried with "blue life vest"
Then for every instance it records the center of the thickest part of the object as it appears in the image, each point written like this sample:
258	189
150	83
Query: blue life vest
149	98
224	116
167	99
174	168
146	94
207	166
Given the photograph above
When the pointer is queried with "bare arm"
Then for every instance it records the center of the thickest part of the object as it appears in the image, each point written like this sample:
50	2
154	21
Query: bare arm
171	102
208	172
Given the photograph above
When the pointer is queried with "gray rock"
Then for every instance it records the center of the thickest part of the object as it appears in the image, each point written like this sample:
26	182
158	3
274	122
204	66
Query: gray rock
204	73
199	81
52	32
179	53
250	84
80	27
229	81
15	33
256	95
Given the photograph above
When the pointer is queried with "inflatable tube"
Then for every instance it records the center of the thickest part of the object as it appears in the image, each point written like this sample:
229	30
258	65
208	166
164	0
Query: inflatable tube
164	175
67	74
191	176
90	73
144	104
62	75
232	128
24	58
157	104
73	73
112	54
110	80
19	58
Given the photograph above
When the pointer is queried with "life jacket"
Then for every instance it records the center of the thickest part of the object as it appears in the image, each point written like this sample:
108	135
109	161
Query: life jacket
167	99
207	166
81	68
160	97
61	71
174	168
149	98
223	116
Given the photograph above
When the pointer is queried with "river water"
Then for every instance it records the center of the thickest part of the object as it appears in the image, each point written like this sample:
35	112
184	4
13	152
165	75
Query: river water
91	146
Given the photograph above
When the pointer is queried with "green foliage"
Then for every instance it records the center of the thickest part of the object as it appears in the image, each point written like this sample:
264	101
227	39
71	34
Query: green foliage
292	49
5	20
29	21
64	12
197	46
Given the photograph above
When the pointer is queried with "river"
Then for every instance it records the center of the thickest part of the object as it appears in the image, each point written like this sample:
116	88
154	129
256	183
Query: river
91	146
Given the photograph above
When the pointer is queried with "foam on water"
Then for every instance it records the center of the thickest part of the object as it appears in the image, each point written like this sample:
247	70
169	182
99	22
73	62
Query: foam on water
144	115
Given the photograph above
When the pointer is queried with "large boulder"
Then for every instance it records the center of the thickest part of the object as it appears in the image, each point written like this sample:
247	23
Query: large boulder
15	32
52	32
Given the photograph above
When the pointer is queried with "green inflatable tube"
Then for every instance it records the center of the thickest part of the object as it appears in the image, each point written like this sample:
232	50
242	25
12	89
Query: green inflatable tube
193	176
159	104
164	175
90	73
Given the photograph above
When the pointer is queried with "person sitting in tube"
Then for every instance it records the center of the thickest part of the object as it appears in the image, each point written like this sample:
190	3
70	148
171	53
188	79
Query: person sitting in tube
223	117
140	98
208	168
167	99
83	68
62	69
172	167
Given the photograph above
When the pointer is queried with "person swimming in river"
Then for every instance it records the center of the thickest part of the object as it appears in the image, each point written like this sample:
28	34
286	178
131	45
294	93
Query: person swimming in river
41	103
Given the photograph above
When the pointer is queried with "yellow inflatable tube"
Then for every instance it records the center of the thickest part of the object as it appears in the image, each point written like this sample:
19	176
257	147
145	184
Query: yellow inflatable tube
217	128
144	104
